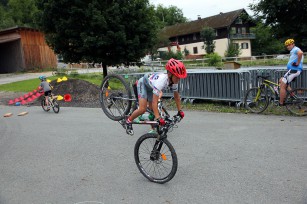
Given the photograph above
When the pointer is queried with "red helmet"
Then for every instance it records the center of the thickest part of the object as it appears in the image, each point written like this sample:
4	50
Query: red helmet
177	68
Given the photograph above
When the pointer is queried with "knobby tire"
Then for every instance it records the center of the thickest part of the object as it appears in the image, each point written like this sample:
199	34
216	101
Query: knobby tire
160	170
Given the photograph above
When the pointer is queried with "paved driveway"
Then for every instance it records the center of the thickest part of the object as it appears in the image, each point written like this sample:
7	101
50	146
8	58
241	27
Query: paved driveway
9	78
80	155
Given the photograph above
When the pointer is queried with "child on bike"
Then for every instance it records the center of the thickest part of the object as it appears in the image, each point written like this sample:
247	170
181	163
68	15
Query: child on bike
294	67
46	88
150	86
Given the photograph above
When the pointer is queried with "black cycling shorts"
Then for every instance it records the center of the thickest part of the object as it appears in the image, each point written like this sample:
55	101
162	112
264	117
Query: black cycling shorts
48	93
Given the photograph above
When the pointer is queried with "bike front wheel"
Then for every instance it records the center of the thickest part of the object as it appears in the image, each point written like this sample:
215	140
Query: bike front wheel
296	101
156	160
115	97
56	107
256	100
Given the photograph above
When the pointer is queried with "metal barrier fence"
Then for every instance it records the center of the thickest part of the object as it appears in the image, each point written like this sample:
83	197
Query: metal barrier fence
224	85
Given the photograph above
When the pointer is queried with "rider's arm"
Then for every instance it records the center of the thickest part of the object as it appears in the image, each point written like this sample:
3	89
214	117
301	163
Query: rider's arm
299	56
177	100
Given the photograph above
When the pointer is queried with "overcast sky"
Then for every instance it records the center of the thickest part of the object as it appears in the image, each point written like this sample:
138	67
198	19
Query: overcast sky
205	8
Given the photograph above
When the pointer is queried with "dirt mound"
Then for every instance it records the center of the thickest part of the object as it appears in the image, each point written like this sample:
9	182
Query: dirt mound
83	93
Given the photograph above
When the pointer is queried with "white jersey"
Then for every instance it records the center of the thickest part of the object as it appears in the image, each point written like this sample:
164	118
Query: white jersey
158	82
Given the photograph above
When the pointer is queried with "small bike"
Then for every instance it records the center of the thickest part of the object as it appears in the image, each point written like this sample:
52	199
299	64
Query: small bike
52	103
154	155
258	98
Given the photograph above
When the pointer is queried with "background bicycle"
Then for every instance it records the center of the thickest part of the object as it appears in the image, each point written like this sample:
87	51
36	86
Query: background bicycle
154	155
258	98
52	103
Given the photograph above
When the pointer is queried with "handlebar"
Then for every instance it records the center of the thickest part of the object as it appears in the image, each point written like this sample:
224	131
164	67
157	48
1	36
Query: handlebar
170	124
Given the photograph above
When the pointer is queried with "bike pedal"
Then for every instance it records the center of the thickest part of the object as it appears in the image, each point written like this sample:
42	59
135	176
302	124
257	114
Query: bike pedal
130	132
251	105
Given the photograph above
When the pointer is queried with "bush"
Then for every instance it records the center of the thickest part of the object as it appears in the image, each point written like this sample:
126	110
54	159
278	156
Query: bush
178	55
214	59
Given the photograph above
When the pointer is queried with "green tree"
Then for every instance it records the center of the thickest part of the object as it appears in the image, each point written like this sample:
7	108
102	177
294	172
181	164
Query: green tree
6	20
3	2
22	12
233	49
168	16
265	41
108	32
207	34
286	17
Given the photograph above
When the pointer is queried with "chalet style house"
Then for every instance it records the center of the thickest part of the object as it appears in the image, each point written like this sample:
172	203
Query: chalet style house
229	27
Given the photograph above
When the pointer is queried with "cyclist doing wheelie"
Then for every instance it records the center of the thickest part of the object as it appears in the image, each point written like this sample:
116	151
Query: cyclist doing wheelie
294	66
46	88
150	86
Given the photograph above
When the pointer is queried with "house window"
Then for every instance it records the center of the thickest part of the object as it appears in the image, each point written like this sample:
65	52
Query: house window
236	45
194	36
238	21
240	30
244	45
243	30
233	30
215	32
195	50
182	39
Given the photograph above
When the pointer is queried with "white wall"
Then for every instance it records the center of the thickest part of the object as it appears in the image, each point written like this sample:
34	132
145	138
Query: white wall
220	47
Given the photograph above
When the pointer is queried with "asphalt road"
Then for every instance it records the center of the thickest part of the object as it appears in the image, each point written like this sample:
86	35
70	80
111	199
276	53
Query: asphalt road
80	156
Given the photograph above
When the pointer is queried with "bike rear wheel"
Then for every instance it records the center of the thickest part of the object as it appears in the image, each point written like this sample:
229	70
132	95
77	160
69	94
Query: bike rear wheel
115	97
296	101
56	107
44	106
157	166
256	100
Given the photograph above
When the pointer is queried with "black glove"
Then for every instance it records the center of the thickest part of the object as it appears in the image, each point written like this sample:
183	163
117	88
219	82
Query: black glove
294	64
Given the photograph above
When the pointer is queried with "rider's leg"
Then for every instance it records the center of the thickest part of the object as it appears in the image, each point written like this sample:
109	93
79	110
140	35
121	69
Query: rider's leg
141	110
284	83
283	86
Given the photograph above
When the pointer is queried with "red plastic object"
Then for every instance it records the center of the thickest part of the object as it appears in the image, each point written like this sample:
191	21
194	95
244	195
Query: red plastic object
38	94
25	96
16	100
23	102
11	102
67	97
21	98
29	99
30	94
34	91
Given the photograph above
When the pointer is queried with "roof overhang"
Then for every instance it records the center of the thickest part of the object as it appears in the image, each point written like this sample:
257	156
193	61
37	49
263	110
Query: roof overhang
9	37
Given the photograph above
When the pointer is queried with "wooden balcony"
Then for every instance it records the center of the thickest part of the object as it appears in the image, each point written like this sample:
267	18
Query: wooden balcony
241	36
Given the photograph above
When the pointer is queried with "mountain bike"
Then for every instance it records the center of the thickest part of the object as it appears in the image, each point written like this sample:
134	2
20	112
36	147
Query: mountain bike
52	103
154	155
258	98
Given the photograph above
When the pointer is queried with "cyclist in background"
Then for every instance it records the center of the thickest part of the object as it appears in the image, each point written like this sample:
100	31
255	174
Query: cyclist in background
46	88
149	88
294	67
